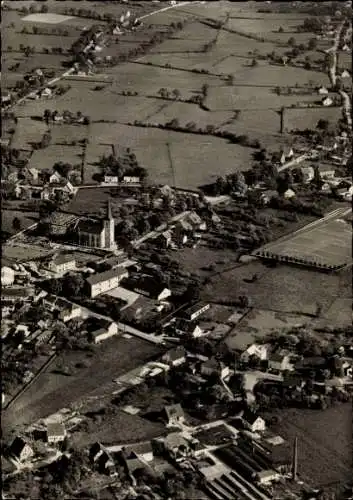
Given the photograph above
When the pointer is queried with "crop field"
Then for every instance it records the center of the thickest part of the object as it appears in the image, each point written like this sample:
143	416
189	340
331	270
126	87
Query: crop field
43	159
282	289
27	219
27	133
324	442
52	391
308	118
326	242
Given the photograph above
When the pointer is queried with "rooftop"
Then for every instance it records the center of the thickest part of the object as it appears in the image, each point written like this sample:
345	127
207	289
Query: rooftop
56	429
106	275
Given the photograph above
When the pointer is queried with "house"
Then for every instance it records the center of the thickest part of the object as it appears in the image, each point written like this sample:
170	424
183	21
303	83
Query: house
323	91
214	367
195	311
102	460
282	158
345	74
182	231
55	178
7	276
347	368
308	173
195	221
346	48
107	330
16	294
97	233
279	362
45	194
21	450
149	287
327	101
327	174
111	179
49	302
183	326
267	476
67	310
175	357
56	432
103	282
131	179
174	443
174	414
143	450
267	195
164	239
289	194
290	154
253	422
63	263
260	351
42	337
47	92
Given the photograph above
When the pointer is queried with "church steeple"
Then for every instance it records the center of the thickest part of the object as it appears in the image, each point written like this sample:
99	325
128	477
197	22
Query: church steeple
109	211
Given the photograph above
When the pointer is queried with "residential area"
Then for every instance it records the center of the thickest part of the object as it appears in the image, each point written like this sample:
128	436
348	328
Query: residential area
177	321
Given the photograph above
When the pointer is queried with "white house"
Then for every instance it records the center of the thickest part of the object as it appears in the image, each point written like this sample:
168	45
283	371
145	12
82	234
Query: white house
345	74
308	173
289	194
327	174
55	178
111	179
196	310
327	101
56	432
175	357
260	351
131	179
279	362
103	282
7	276
68	311
253	422
105	332
322	91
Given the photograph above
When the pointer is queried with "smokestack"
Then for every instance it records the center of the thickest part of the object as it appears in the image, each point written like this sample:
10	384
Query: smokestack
282	120
295	460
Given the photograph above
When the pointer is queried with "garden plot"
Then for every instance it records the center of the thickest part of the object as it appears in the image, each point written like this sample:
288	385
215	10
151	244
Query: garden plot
43	159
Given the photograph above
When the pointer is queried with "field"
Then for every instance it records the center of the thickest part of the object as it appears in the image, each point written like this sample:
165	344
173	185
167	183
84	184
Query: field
27	219
52	391
326	242
281	289
324	442
43	159
308	118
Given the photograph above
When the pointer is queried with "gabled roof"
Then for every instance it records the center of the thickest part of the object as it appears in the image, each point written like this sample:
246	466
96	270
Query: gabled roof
174	411
176	353
56	429
106	275
250	417
17	446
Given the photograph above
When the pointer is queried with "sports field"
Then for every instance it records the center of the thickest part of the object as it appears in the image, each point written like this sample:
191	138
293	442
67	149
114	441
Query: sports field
324	242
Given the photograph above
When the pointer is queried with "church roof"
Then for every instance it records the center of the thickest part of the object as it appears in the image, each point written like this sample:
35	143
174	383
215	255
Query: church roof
90	226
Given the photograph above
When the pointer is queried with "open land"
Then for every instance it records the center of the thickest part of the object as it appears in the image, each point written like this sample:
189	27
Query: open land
52	391
324	449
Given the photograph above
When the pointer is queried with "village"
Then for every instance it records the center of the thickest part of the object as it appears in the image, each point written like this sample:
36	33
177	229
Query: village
161	340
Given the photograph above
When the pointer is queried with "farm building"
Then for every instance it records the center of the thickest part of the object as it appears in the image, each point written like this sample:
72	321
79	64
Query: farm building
62	263
174	414
56	432
195	311
21	450
214	367
260	351
107	330
103	282
175	357
97	233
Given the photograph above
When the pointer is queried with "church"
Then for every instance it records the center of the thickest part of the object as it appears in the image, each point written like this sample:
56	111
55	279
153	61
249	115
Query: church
97	233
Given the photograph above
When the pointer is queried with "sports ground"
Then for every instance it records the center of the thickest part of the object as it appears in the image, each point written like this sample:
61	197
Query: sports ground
326	242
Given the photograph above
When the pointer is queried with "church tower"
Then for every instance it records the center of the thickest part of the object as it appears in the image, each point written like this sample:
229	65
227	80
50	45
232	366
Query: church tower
109	229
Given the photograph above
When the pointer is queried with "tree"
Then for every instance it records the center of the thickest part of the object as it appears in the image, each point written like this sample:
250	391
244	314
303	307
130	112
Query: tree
176	94
254	63
312	44
16	224
280	29
44	9
73	284
291	42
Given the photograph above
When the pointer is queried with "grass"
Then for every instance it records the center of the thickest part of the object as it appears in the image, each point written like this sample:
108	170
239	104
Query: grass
27	219
328	242
52	391
308	118
19	253
27	132
324	442
283	289
198	260
43	159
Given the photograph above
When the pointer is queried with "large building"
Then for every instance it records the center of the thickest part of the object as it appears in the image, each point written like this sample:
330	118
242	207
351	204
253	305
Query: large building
97	233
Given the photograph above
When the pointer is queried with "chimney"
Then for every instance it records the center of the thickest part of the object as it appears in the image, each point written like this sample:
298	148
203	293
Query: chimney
295	460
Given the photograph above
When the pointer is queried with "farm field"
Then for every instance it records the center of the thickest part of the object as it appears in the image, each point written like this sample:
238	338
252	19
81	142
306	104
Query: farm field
22	253
327	242
340	312
308	118
43	159
281	289
27	132
324	450
52	391
27	219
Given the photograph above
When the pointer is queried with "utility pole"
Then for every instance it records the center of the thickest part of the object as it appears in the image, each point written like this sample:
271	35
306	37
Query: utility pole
171	163
282	111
